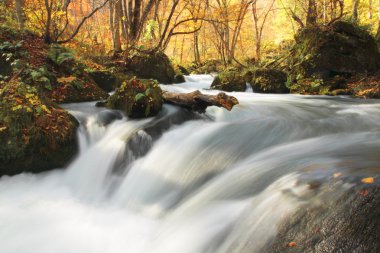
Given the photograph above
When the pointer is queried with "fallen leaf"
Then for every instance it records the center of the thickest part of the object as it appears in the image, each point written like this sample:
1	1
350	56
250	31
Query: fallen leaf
368	180
292	244
363	192
338	174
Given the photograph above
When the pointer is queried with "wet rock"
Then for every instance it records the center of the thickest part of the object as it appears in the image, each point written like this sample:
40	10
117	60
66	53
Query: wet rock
268	81
104	79
179	78
230	80
152	65
183	70
346	222
106	117
137	98
36	135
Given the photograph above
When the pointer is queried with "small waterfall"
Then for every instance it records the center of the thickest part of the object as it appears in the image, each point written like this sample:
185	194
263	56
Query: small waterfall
182	182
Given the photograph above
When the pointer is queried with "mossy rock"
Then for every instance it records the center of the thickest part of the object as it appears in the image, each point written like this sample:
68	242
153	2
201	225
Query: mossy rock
181	69
179	78
343	49
152	65
137	98
36	135
104	79
230	80
268	81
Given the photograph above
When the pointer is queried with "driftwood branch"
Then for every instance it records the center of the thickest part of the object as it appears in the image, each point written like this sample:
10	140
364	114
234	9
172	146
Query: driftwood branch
196	101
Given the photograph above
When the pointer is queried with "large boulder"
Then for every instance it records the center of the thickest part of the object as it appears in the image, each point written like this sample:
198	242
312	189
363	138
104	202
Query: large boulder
267	80
229	80
152	65
36	135
137	98
341	49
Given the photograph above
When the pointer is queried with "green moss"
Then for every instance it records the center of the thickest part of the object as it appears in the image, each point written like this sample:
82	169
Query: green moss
138	98
36	134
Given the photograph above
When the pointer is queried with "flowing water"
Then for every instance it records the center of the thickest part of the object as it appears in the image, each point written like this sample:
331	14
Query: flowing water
220	182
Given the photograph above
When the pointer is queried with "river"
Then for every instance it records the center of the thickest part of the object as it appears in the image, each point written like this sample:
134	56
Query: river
186	183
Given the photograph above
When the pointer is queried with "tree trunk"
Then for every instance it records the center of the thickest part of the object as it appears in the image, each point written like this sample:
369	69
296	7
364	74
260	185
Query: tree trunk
20	13
116	22
196	48
378	25
196	101
355	6
312	15
47	35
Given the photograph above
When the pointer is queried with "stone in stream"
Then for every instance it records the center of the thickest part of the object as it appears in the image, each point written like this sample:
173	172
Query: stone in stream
229	80
137	98
104	118
267	80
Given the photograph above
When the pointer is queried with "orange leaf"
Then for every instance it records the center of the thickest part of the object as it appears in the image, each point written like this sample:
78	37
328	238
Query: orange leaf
368	180
292	244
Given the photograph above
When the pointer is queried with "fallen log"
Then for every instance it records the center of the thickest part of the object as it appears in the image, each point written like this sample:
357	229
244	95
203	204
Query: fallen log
196	101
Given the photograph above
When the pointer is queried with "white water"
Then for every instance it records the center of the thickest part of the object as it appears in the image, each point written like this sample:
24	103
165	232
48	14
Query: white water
218	184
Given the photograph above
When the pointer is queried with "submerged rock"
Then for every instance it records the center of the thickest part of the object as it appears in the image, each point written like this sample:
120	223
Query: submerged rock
229	80
152	65
36	135
267	81
137	98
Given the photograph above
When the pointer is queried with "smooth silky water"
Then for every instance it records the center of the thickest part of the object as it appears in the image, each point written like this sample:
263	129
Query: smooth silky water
218	183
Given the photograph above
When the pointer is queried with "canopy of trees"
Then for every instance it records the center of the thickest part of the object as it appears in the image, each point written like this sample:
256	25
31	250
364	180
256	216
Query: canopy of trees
187	30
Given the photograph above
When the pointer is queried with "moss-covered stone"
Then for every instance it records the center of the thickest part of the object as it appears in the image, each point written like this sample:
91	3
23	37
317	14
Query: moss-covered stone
137	98
152	65
268	81
230	80
179	78
35	134
104	79
181	69
342	49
